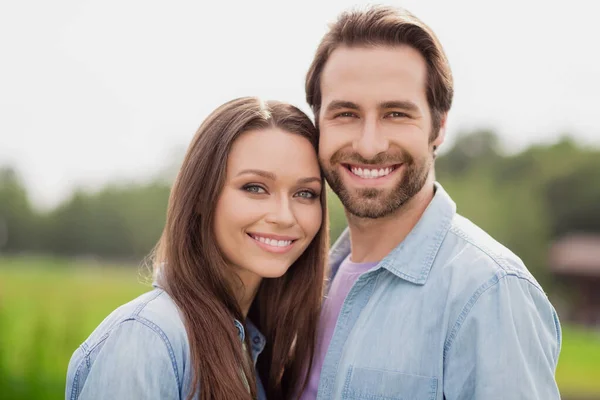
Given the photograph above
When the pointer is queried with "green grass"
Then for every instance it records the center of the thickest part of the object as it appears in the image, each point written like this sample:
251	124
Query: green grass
578	372
48	307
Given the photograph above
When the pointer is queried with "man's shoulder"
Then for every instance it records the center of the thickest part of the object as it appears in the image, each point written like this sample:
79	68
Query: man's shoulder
471	251
472	265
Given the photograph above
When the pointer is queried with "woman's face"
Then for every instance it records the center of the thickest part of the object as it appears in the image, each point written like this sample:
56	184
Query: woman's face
269	209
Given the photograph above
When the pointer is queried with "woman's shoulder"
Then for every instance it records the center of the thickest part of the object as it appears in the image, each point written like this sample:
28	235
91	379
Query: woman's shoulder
154	309
158	310
146	332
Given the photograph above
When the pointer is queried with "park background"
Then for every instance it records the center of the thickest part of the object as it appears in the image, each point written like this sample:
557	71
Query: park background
99	100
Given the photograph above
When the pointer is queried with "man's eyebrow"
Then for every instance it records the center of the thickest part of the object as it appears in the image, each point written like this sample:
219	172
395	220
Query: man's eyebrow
259	172
403	105
341	104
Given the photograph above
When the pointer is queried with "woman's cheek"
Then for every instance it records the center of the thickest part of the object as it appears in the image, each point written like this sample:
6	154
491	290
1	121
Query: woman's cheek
312	220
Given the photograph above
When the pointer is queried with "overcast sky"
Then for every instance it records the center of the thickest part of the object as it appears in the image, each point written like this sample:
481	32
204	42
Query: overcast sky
93	91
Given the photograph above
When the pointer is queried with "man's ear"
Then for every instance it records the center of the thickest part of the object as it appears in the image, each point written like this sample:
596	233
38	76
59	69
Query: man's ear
441	134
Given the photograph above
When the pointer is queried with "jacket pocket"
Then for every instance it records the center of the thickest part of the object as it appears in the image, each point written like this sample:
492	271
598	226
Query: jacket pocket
375	384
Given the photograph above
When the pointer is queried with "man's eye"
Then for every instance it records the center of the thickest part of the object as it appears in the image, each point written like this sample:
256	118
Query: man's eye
306	194
256	189
397	114
345	114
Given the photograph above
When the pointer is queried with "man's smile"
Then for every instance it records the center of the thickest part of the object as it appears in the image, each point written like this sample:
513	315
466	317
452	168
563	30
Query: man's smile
371	175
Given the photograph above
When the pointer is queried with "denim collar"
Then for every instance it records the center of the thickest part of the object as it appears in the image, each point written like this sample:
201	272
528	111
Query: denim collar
413	258
257	339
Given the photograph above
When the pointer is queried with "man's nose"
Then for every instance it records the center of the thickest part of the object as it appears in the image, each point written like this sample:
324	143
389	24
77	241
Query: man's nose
371	141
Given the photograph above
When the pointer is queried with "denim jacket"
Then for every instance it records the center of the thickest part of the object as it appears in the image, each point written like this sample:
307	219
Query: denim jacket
141	351
449	314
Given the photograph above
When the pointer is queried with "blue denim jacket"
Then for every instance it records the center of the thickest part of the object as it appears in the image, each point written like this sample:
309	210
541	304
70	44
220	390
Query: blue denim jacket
141	351
449	314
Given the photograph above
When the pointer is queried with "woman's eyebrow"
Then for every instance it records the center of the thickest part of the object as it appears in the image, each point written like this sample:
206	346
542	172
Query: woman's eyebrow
264	174
272	176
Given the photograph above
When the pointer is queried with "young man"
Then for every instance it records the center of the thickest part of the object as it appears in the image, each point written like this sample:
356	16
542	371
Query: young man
422	303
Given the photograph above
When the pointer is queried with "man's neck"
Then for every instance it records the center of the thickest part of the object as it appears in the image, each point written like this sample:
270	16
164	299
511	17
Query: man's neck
373	239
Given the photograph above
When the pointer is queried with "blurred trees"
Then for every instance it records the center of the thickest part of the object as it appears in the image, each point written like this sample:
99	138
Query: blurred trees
524	200
16	215
574	199
117	222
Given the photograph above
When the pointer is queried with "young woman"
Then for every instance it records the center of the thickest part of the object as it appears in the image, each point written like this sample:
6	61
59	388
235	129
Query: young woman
239	271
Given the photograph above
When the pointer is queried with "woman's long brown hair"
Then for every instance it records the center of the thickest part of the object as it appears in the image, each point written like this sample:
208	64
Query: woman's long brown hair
191	268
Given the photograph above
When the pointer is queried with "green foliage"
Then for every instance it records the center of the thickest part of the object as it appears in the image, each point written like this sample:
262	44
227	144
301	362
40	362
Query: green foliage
574	199
16	216
119	222
468	152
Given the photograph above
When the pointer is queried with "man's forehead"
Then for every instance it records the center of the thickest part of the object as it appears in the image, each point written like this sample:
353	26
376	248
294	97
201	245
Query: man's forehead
380	57
375	73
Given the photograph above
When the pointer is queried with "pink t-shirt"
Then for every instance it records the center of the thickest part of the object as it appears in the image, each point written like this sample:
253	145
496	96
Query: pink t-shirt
347	274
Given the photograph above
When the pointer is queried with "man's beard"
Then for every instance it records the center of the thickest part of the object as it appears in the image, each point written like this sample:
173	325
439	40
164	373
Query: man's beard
373	202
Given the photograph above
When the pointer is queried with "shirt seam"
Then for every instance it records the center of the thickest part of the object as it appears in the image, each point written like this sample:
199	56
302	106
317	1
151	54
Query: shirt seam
151	325
143	304
467	309
134	316
77	373
145	321
558	335
495	280
496	258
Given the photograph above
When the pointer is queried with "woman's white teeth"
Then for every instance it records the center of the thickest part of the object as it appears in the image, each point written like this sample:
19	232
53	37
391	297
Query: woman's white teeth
272	242
371	173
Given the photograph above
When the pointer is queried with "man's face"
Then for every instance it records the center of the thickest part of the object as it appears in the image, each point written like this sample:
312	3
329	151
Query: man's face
375	125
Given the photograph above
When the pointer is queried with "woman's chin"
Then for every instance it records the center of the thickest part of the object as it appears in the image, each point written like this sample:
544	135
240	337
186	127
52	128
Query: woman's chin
272	272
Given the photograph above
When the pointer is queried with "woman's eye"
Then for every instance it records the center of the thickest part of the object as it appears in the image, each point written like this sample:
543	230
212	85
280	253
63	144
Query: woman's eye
306	194
254	189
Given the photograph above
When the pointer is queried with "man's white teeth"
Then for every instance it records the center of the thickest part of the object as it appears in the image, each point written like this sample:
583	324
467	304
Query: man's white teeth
272	242
371	173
